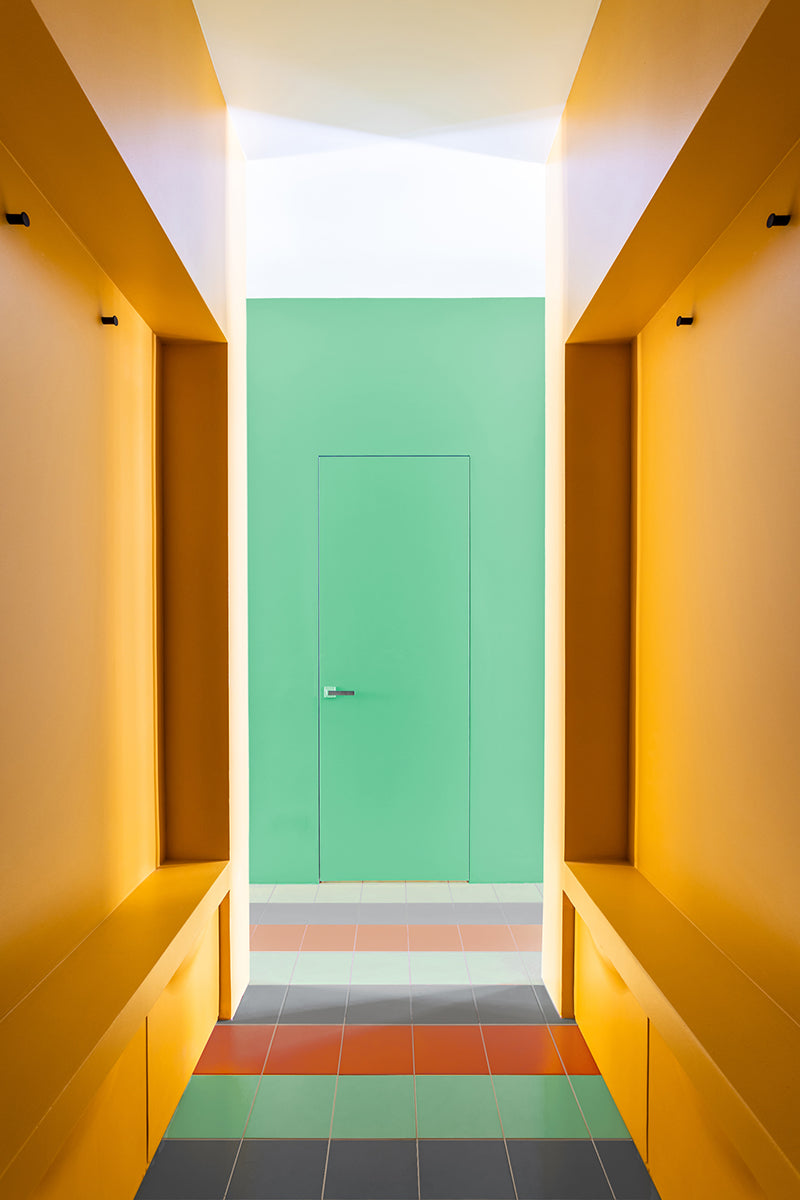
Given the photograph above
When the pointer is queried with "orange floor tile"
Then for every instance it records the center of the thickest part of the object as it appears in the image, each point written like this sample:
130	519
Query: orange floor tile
487	937
449	1050
574	1052
377	1050
521	1050
304	1050
382	937
235	1050
434	937
276	937
527	937
329	937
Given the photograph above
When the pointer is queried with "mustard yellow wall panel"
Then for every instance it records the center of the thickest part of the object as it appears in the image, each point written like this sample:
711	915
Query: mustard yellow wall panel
178	1028
106	1155
615	1028
77	627
690	1158
718	590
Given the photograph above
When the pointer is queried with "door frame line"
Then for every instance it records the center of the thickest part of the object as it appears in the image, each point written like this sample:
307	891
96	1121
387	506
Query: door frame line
468	457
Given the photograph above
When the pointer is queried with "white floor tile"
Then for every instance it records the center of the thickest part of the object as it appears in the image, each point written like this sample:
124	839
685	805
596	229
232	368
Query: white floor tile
338	893
294	893
519	893
260	892
428	893
473	893
383	893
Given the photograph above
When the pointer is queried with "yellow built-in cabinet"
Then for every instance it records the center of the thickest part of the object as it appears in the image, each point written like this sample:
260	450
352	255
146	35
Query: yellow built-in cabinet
671	885
116	882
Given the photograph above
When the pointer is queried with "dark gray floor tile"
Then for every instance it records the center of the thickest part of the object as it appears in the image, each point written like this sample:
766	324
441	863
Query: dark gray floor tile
440	1004
373	1170
279	1170
379	1004
508	1005
627	1172
558	1170
464	1170
258	914
548	1008
314	1004
382	914
480	914
260	1004
310	914
431	914
189	1170
523	914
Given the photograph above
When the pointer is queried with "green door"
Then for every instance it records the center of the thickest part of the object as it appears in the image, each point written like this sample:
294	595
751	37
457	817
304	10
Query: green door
394	631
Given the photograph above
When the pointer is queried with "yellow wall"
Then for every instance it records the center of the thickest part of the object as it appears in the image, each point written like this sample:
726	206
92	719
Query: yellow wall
676	143
117	580
147	73
647	74
718	650
76	473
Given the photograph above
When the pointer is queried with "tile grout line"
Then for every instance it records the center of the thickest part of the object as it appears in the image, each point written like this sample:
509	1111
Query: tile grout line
341	1050
413	1052
489	1070
577	1101
261	1076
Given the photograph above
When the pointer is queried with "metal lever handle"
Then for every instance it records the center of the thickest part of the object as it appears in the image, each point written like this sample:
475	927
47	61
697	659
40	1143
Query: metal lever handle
330	692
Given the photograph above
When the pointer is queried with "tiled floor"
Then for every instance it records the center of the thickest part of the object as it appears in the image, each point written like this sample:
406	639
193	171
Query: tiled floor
396	1042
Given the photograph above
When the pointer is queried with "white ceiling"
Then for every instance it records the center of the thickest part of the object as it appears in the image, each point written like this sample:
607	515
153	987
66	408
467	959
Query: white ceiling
405	114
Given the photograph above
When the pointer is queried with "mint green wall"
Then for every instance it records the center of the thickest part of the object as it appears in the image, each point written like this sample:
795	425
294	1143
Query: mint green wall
397	377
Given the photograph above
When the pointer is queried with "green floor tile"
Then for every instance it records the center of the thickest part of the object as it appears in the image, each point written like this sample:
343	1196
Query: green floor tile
501	967
601	1113
271	966
447	967
380	966
374	1106
532	963
293	1106
456	1106
323	966
214	1106
538	1106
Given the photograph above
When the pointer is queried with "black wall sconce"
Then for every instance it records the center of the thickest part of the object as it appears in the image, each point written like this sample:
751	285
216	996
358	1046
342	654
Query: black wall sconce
110	320
684	321
20	218
778	219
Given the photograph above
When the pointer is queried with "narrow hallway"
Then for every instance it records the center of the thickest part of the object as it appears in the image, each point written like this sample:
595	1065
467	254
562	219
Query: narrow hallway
396	1042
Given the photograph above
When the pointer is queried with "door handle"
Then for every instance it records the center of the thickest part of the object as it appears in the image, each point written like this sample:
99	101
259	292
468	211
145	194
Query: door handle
330	693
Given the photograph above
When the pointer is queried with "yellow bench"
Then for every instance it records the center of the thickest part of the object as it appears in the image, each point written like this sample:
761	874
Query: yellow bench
739	1048
59	1043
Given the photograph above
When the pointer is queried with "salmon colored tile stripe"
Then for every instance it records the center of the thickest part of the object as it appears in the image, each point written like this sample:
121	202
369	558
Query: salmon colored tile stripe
304	1050
449	1050
235	1050
521	1050
487	937
527	937
329	937
382	937
276	937
434	937
377	1050
575	1053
